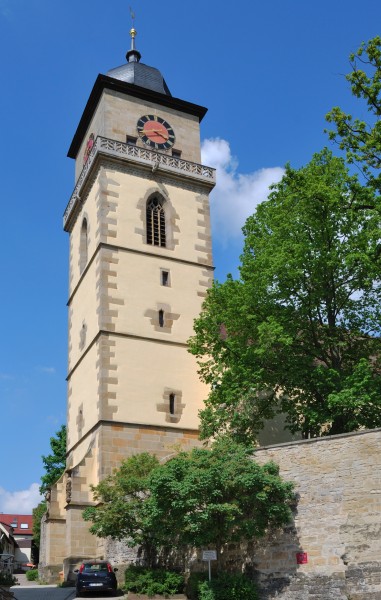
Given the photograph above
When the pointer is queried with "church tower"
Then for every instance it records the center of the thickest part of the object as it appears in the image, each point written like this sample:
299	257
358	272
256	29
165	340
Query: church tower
140	265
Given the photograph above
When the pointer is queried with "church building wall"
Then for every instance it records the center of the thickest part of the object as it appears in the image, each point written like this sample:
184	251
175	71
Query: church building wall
139	268
82	398
130	395
89	212
145	379
118	297
96	127
83	318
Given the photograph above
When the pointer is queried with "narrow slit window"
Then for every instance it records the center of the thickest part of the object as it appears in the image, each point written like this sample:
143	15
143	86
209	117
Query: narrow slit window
161	318
165	278
156	222
172	398
83	250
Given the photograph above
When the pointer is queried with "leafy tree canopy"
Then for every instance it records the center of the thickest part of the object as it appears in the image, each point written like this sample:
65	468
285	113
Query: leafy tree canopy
54	463
298	332
121	512
218	495
360	139
206	496
38	513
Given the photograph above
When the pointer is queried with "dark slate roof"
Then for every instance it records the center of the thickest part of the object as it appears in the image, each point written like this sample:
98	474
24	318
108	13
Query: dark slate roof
104	82
142	75
134	79
136	73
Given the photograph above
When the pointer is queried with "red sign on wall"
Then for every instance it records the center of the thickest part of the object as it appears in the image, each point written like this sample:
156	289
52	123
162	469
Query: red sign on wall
301	558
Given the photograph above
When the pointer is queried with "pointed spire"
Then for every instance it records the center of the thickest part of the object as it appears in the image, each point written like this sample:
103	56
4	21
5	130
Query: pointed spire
137	73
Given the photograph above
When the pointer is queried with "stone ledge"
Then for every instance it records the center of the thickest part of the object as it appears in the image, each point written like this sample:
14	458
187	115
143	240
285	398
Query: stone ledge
133	596
322	439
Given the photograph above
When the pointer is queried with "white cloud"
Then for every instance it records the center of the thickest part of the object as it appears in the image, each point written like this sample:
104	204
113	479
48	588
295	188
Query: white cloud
236	195
22	502
50	370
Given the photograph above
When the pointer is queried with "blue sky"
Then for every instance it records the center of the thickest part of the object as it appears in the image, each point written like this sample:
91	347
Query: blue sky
267	71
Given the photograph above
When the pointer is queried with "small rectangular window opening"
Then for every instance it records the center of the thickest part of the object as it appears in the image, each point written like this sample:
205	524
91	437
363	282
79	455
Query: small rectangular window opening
172	404
165	278
161	318
131	140
176	153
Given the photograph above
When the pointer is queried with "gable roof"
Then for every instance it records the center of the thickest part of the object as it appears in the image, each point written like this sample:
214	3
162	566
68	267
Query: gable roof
16	521
7	531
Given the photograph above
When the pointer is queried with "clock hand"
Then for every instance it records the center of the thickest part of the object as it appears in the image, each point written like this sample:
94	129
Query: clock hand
156	131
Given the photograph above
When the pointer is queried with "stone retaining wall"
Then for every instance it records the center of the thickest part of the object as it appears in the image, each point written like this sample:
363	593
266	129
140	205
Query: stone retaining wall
337	521
336	524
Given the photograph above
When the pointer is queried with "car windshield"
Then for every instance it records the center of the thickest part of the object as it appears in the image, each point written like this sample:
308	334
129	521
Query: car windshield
95	567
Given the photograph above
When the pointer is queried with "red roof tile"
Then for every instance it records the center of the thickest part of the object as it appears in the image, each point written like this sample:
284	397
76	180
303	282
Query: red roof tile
22	524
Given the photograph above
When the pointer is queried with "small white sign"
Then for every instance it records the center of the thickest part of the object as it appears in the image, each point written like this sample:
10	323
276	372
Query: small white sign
209	555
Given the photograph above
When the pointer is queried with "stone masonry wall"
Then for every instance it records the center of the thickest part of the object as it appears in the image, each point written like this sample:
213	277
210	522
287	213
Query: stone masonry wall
337	521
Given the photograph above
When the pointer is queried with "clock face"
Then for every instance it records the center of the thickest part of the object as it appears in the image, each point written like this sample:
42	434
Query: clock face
89	145
155	132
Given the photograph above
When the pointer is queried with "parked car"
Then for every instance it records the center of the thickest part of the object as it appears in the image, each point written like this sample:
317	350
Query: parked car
28	566
96	576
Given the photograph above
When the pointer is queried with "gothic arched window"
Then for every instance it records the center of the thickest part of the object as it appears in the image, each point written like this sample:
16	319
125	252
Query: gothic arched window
83	246
155	222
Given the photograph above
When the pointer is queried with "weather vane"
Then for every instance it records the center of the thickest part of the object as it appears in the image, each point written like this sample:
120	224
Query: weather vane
132	17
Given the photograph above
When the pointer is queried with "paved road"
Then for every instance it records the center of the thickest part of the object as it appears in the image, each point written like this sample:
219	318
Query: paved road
30	590
43	592
46	592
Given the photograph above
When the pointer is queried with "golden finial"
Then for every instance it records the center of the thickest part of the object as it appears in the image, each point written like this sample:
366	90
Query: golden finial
133	55
132	30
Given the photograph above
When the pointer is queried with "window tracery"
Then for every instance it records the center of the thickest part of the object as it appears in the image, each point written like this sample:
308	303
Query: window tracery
155	222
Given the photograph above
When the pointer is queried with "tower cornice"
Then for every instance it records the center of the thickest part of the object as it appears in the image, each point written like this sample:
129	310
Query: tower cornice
149	160
103	82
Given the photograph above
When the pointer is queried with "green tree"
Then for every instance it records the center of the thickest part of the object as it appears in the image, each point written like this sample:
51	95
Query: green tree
298	332
206	496
217	496
55	463
38	513
121	512
361	140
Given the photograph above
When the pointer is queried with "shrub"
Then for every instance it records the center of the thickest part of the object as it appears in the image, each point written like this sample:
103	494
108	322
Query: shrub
205	591
228	587
142	580
32	575
193	584
7	579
